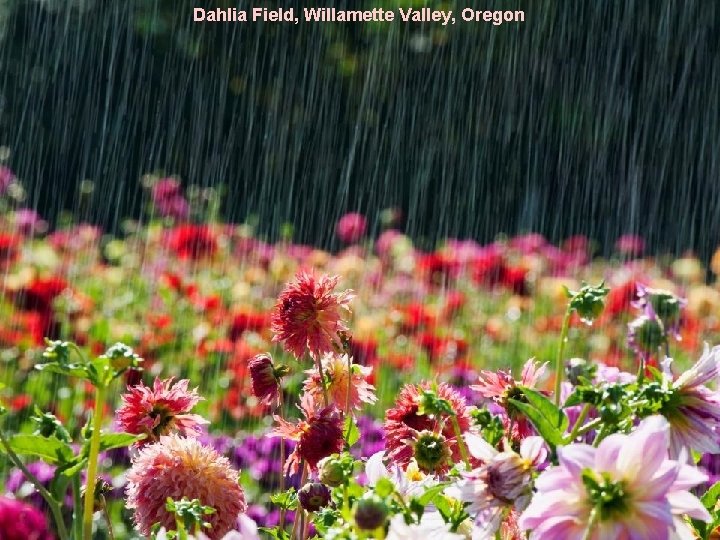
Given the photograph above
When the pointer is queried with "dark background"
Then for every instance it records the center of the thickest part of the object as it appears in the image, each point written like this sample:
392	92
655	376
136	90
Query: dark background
596	117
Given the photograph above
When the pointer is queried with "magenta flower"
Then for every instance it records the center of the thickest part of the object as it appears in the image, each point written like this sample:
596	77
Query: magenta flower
20	521
351	227
625	488
160	410
309	315
7	177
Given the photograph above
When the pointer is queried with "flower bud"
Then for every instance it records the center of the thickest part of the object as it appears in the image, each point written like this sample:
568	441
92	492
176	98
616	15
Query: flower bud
646	334
331	472
313	496
370	513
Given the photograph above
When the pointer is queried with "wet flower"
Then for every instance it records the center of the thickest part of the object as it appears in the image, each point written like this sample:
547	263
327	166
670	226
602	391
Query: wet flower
501	484
692	409
178	467
168	199
319	435
192	241
313	496
265	378
351	227
404	423
500	387
308	315
339	386
160	410
625	488
20	521
28	222
667	306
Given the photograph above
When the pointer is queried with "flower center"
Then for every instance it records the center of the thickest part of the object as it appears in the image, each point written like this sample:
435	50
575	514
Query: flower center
431	451
606	495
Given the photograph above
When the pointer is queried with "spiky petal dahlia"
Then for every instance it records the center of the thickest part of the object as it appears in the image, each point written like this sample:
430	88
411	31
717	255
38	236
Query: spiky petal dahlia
339	385
404	426
308	315
179	467
159	410
318	436
500	386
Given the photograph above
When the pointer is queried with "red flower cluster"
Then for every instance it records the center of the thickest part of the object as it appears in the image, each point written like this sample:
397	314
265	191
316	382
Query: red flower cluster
192	241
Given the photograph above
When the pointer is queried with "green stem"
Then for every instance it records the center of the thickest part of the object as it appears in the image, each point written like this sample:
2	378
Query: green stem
77	507
49	499
583	414
591	525
299	511
460	441
282	462
600	436
92	470
559	369
347	399
589	427
318	363
641	370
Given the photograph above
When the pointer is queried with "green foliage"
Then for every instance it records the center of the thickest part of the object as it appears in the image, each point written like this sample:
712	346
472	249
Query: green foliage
549	421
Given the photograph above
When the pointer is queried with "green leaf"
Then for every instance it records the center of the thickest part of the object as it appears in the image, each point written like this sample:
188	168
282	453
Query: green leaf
547	408
549	421
275	532
710	499
71	370
384	487
352	433
285	499
73	468
50	449
108	441
431	494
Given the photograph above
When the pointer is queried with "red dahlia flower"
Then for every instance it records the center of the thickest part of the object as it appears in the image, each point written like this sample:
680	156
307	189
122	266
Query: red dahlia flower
159	410
193	241
308	315
403	424
318	436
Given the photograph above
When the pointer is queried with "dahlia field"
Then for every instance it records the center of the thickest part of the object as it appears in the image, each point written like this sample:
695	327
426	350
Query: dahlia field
187	379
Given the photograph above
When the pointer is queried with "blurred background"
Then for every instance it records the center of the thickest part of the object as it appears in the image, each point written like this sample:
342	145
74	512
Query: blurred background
597	118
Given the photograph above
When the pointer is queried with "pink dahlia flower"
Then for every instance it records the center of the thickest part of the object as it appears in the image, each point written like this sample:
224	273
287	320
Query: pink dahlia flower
308	315
179	467
625	488
351	227
340	386
318	436
404	427
692	409
500	386
20	521
159	410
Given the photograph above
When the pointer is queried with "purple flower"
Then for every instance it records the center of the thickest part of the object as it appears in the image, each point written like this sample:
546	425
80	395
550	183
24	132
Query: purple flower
627	487
29	222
